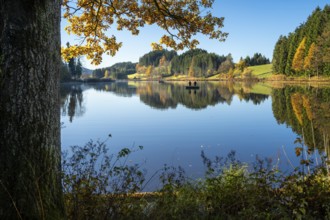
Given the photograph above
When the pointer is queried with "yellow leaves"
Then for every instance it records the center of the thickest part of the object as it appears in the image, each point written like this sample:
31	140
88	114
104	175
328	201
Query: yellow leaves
298	58
301	105
181	19
156	46
296	101
308	107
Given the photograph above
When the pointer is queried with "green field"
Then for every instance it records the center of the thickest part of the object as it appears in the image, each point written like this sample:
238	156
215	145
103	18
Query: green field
262	71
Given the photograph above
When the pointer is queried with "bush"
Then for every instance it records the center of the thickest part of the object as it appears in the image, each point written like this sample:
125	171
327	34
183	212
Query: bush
98	185
102	186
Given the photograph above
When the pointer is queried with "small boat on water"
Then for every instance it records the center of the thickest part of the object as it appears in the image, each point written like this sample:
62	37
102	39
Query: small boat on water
194	87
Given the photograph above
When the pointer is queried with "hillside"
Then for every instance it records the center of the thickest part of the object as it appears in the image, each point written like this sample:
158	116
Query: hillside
262	71
116	71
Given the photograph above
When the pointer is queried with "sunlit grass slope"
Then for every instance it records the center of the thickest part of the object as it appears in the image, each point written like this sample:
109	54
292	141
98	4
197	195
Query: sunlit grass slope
262	71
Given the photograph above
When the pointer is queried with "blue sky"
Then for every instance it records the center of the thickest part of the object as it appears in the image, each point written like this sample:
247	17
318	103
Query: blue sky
253	26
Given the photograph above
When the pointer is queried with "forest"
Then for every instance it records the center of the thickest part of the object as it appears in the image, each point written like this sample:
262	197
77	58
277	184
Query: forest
116	71
306	51
192	63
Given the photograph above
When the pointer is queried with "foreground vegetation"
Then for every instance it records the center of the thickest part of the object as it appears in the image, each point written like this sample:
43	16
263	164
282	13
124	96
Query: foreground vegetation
99	185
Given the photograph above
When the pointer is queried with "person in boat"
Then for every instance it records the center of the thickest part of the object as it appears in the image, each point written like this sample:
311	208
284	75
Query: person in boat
189	83
195	83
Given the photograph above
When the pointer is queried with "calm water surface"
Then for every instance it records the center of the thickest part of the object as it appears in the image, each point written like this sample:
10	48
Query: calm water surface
175	125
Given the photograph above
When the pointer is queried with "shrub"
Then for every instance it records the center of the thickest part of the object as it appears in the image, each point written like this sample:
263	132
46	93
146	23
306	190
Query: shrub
102	186
98	185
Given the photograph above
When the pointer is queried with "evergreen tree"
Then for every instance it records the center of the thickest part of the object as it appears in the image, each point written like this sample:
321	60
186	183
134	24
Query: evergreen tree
324	43
153	58
191	72
283	54
72	67
257	59
291	51
64	72
78	69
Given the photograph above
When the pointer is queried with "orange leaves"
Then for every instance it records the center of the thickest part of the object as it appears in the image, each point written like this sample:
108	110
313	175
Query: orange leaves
181	19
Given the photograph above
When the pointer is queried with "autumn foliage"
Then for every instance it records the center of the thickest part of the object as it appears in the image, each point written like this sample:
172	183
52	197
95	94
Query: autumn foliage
181	20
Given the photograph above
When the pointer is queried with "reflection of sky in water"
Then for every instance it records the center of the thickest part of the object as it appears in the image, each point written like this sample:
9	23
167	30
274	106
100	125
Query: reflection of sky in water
177	136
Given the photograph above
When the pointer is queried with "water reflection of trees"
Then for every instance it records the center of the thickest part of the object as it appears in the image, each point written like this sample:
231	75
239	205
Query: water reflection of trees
160	95
169	95
72	101
119	88
307	112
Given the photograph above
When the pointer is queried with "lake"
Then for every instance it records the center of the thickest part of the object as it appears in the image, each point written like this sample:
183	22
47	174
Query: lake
174	125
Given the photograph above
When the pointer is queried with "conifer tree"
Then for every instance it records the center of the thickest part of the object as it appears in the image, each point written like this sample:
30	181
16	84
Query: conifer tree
106	74
72	67
313	59
191	72
291	48
78	68
149	70
298	59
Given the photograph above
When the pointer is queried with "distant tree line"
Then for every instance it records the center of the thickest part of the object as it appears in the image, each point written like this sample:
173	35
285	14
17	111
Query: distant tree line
192	63
116	71
257	59
153	58
196	63
306	51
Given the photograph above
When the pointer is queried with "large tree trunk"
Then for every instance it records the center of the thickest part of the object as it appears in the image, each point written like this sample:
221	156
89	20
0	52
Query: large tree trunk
30	186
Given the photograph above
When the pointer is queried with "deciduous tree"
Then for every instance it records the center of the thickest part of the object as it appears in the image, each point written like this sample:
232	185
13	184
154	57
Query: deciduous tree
181	20
149	70
30	183
241	65
313	59
226	65
299	56
106	74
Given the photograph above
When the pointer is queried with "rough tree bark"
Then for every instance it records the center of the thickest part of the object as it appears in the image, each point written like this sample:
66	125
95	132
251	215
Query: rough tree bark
30	186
